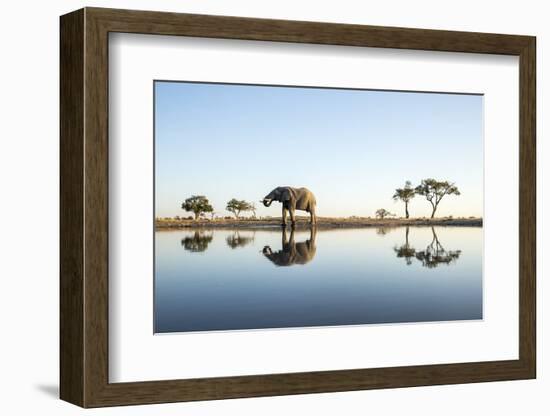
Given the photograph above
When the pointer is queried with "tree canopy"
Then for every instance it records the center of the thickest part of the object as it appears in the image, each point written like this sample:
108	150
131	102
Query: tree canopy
236	207
434	191
197	204
405	194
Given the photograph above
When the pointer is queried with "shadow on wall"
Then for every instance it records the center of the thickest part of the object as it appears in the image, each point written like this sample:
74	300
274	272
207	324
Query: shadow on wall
51	390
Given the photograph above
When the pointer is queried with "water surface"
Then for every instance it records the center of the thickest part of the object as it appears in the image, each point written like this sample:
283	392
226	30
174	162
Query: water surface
227	279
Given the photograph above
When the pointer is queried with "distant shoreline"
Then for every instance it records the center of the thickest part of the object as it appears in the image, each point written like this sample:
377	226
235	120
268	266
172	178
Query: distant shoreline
322	223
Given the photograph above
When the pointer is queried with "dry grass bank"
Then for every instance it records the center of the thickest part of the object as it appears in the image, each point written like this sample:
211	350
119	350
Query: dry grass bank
322	222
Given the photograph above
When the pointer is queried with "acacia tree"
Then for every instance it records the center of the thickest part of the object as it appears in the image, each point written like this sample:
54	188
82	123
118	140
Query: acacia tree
434	191
253	209
236	207
197	204
383	213
405	194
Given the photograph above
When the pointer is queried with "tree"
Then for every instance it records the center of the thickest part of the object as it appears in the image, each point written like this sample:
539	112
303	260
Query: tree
253	209
434	191
405	194
236	207
197	204
383	213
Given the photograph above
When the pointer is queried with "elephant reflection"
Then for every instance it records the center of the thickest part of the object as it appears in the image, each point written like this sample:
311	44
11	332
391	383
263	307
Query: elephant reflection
431	257
292	252
237	240
198	242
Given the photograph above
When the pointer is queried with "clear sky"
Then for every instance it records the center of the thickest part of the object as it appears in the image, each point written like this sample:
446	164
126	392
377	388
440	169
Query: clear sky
351	148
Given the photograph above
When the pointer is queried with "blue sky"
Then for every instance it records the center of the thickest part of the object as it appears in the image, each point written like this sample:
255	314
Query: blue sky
352	148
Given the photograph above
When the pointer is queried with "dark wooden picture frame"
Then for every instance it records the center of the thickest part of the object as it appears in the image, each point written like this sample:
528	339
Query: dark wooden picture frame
84	207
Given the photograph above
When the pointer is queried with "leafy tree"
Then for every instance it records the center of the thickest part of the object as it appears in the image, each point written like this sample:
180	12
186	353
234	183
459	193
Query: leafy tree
383	213
197	204
434	191
236	207
405	194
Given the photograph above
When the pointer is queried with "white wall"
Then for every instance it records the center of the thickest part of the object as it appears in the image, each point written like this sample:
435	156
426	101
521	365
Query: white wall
29	206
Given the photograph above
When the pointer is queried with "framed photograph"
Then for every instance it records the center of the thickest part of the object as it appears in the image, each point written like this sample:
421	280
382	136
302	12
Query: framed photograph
255	207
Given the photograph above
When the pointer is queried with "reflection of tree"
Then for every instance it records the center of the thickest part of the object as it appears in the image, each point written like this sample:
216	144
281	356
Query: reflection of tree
292	252
382	230
237	240
406	251
198	242
431	257
435	254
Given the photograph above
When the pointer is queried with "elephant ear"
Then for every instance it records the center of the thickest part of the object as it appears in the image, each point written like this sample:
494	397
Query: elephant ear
285	194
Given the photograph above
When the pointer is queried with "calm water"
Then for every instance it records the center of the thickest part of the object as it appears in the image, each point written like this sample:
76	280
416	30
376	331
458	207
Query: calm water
227	279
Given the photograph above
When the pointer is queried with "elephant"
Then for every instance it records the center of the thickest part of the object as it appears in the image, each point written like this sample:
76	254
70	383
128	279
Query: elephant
293	199
292	252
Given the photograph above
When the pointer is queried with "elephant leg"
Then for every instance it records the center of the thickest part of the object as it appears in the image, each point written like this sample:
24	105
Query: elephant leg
284	215
313	216
292	217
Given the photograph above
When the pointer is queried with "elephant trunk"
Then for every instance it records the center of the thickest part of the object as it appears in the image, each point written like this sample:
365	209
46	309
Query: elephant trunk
267	201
